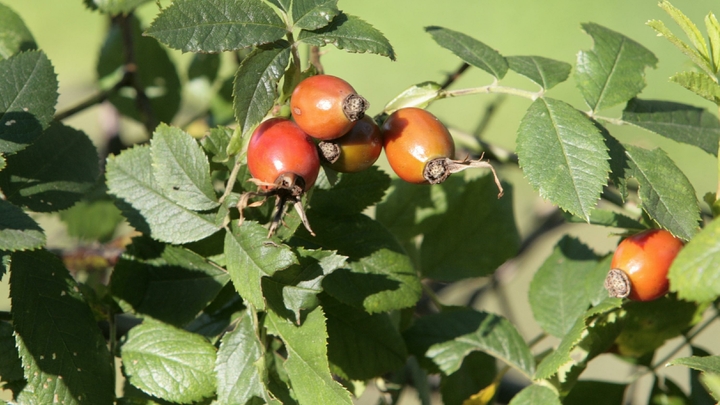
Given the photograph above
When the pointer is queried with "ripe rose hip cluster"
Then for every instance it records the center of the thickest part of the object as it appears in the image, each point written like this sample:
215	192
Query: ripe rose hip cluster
329	126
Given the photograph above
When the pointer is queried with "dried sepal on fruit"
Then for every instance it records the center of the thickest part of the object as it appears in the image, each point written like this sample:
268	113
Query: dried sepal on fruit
355	151
284	164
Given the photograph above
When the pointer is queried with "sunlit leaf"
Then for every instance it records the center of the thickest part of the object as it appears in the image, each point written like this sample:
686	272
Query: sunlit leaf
216	25
614	70
700	84
563	155
666	194
14	35
536	394
547	73
680	122
470	50
695	272
313	14
351	34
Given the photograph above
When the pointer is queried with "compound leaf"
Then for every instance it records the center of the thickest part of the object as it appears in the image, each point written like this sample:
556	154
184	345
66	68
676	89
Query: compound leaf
28	94
351	34
64	361
169	363
54	172
557	291
547	73
470	50
181	169
250	257
130	178
695	272
679	122
666	194
307	364
17	230
563	155
216	25
14	35
613	71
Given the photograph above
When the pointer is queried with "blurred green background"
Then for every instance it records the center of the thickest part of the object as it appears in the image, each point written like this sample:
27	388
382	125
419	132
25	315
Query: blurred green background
71	35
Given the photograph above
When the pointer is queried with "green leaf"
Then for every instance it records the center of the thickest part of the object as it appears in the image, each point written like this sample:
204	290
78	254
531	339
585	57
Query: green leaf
470	50
216	25
130	179
250	256
169	363
592	334
240	366
649	324
481	224
713	29
54	172
216	144
547	73
29	92
666	194
15	37
353	192
284	5
608	218
295	289
595	281
255	85
377	346
679	122
596	393
697	58
167	283
156	75
313	14
114	7
536	394
690	29
92	220
695	272
700	84
11	370
478	371
379	277
447	337
64	355
708	364
181	169
17	230
667	391
351	34
557	294
563	155
613	71
307	364
419	95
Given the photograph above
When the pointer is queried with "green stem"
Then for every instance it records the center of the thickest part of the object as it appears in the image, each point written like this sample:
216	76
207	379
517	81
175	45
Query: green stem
233	177
717	193
431	294
489	89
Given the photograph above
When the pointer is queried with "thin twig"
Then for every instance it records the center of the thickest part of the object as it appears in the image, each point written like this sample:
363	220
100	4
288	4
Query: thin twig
315	59
93	100
688	339
452	77
232	179
432	296
492	88
489	114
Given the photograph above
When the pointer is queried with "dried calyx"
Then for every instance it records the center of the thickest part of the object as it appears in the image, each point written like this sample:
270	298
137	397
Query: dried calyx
288	188
438	170
617	283
354	107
